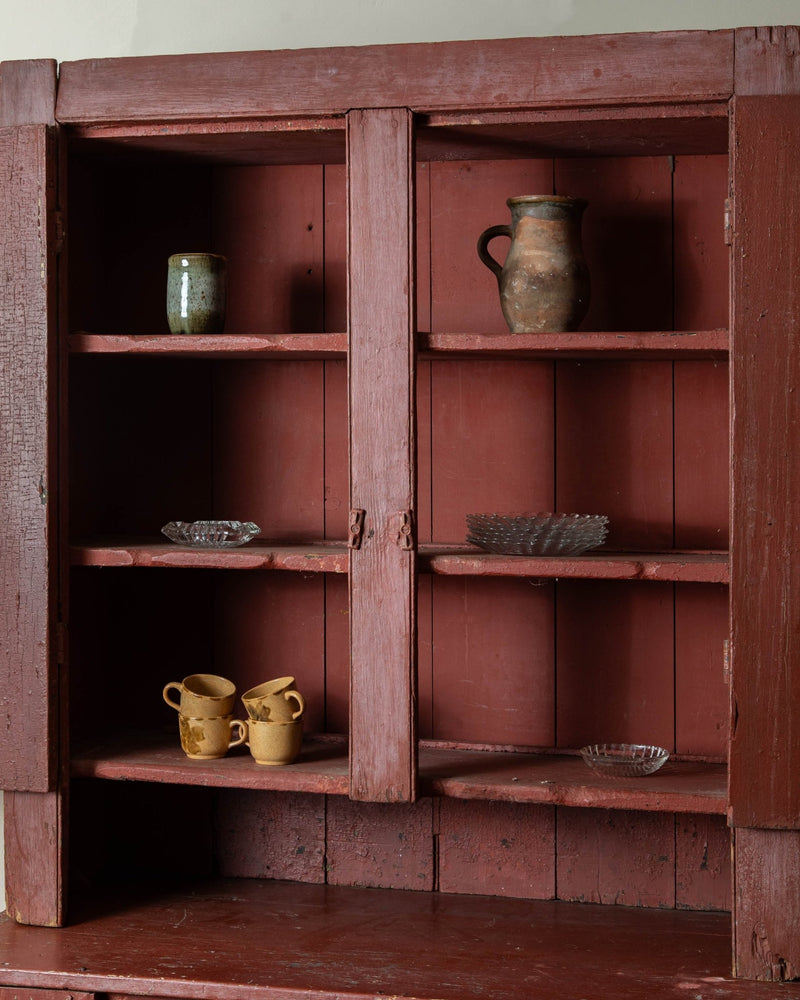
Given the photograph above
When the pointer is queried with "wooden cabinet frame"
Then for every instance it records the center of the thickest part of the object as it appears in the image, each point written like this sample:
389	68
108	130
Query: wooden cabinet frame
367	124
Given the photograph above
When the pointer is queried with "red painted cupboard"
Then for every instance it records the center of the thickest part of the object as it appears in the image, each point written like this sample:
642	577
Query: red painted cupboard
440	836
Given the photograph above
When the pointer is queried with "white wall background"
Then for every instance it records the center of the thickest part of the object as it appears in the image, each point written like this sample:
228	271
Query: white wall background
86	29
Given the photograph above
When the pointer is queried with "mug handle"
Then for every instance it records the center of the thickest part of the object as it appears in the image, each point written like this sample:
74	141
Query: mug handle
178	687
483	246
301	702
241	725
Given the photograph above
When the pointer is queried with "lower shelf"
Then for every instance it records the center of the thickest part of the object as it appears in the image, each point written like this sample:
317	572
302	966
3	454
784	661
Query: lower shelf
550	778
248	939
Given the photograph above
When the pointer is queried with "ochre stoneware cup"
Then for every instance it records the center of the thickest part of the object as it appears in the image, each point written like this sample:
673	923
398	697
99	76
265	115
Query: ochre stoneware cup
274	743
277	701
210	739
203	696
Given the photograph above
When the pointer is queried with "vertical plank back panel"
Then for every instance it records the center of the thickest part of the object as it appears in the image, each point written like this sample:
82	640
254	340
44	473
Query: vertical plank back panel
382	454
28	472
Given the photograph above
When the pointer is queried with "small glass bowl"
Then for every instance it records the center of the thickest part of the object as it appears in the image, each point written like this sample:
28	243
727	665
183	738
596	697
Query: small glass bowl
624	760
211	534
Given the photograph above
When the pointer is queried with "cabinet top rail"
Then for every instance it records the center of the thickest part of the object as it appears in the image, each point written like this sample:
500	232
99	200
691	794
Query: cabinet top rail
430	76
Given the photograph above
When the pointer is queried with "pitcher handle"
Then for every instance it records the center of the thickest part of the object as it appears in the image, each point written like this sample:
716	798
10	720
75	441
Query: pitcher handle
483	243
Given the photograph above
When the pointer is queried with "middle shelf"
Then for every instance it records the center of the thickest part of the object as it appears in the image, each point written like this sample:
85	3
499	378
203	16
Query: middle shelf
690	566
555	778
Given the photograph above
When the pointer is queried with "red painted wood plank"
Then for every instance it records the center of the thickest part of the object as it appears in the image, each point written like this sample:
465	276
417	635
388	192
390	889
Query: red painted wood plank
766	942
321	766
648	344
270	836
505	847
615	663
35	868
525	71
255	555
702	696
560	779
766	60
275	282
693	567
382	447
508	625
616	858
328	942
765	573
702	863
28	472
382	845
27	92
295	345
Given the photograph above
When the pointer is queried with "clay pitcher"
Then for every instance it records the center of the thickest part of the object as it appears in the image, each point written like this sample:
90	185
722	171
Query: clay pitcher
544	283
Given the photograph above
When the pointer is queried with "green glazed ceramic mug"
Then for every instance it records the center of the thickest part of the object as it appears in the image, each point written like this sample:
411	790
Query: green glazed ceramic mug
196	290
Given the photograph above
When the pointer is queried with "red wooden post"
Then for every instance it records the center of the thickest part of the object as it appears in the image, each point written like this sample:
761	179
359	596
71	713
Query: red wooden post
383	556
765	573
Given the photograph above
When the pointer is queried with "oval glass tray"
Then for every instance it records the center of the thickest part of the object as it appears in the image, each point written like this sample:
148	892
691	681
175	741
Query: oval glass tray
211	534
624	760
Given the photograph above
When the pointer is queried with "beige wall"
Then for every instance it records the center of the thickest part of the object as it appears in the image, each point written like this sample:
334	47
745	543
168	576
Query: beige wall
85	29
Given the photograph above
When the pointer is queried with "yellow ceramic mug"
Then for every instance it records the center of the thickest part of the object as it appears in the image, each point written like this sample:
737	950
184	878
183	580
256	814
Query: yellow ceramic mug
274	742
203	696
277	701
210	739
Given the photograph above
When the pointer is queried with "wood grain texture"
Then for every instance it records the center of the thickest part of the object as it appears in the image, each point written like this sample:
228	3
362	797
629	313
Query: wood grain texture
495	73
332	942
765	574
766	60
35	843
28	411
766	941
27	92
382	454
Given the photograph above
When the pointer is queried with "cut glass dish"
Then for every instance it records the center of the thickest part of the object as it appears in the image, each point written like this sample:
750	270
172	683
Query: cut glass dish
624	760
537	534
211	534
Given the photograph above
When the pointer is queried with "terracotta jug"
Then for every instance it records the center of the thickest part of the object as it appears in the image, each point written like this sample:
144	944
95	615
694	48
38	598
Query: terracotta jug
544	283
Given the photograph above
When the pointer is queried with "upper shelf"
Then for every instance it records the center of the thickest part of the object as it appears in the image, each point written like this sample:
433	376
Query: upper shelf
647	344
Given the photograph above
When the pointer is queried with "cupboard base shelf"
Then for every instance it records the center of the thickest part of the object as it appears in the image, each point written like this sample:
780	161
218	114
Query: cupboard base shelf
248	939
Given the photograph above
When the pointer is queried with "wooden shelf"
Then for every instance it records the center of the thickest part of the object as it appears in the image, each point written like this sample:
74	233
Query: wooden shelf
674	566
322	766
318	558
297	346
650	344
250	939
543	778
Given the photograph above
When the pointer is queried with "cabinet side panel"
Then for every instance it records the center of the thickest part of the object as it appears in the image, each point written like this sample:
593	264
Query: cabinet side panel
765	60
27	92
767	904
382	452
765	571
27	459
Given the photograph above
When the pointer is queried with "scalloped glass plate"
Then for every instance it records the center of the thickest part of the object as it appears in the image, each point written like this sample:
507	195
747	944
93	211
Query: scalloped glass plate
537	534
211	534
624	760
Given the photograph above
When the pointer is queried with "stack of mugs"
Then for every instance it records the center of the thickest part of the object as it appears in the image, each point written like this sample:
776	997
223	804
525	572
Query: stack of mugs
273	730
275	721
207	726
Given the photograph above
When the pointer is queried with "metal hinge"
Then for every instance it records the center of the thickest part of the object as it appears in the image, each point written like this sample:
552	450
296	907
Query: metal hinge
356	529
59	231
405	530
728	217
